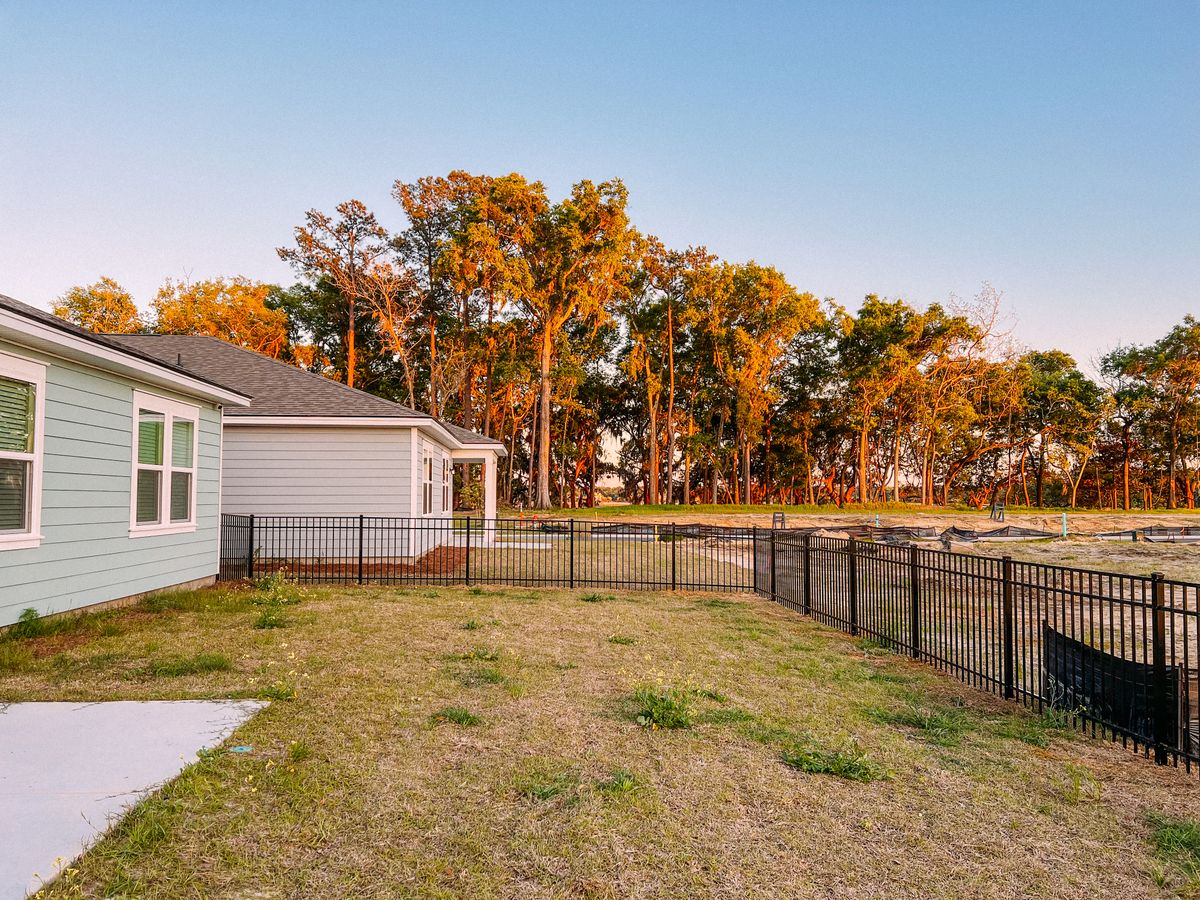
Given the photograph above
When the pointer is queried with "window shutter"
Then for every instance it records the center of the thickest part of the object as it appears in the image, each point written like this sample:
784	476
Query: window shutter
16	416
14	495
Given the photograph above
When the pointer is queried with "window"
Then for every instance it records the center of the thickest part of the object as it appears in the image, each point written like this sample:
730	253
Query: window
446	498
164	464
22	413
427	488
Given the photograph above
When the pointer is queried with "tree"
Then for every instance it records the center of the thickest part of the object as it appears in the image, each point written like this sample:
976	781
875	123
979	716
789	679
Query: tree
561	262
101	307
237	310
352	254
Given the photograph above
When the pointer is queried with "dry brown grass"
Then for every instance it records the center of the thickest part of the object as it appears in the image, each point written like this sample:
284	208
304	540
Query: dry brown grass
352	790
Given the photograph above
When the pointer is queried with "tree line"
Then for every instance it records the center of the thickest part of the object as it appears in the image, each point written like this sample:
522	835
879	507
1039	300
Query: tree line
557	327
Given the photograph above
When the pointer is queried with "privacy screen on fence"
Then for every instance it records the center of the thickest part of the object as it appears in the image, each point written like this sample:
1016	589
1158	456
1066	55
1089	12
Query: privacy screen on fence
1118	654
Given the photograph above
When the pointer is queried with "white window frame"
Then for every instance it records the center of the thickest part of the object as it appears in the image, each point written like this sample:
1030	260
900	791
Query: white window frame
447	486
17	368
171	411
427	484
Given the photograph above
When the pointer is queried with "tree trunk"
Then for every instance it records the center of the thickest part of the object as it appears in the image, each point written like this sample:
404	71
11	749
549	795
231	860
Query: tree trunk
747	493
543	473
351	353
652	447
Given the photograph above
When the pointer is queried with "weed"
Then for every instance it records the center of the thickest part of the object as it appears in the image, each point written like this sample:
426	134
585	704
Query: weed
1080	784
1177	843
596	598
471	625
944	726
276	589
298	751
477	591
30	625
14	657
710	694
271	617
176	666
620	782
278	690
849	762
454	715
621	639
663	707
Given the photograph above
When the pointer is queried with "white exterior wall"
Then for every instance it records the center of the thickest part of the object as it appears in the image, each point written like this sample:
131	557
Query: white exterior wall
291	470
316	471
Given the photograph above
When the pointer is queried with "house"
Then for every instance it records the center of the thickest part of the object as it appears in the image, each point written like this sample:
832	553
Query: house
109	468
310	446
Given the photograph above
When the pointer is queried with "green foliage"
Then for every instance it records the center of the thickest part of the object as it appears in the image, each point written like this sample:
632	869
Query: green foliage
280	690
276	589
454	715
596	598
663	707
271	617
471	625
298	751
623	640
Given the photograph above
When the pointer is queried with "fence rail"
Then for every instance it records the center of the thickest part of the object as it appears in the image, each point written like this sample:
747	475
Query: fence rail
1118	654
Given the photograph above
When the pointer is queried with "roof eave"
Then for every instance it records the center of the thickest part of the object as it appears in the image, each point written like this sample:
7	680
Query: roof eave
25	331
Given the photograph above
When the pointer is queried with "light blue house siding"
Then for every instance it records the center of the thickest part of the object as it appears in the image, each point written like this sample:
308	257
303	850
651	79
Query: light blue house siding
87	555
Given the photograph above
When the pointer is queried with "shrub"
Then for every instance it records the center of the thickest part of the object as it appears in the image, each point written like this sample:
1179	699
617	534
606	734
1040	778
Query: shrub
454	715
663	707
850	763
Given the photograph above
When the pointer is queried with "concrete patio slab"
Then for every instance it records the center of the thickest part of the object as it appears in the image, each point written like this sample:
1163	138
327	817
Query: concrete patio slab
70	770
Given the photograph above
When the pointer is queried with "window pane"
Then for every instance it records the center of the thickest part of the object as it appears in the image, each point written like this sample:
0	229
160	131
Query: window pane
181	496
148	484
181	444
16	416
150	438
14	495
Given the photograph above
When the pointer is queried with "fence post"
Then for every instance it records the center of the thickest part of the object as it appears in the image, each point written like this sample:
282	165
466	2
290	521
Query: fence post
674	580
853	586
1010	630
1161	701
571	558
250	550
754	555
807	575
361	519
468	572
773	595
914	582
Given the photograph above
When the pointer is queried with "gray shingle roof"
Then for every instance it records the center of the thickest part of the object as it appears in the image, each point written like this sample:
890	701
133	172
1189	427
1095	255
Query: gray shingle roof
109	341
277	388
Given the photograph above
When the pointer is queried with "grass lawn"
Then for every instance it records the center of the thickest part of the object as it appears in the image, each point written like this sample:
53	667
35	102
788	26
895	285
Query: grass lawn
512	742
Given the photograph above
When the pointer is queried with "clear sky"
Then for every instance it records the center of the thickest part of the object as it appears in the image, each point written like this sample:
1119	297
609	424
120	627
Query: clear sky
911	150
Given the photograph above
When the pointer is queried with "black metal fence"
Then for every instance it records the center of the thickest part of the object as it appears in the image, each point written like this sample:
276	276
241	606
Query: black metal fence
567	553
1118	654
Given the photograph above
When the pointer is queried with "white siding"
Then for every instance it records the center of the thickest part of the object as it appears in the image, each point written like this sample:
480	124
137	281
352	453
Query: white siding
316	471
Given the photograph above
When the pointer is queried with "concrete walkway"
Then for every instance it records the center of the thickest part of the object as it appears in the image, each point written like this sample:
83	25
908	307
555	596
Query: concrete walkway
70	770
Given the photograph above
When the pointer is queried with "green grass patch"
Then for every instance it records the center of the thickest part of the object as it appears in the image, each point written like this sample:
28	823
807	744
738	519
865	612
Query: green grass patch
478	654
544	780
663	707
623	640
14	657
596	598
620	782
198	664
271	617
454	715
850	763
471	625
480	676
1177	843
943	726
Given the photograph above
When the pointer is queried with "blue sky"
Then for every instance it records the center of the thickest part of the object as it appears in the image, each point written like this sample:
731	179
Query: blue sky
911	150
